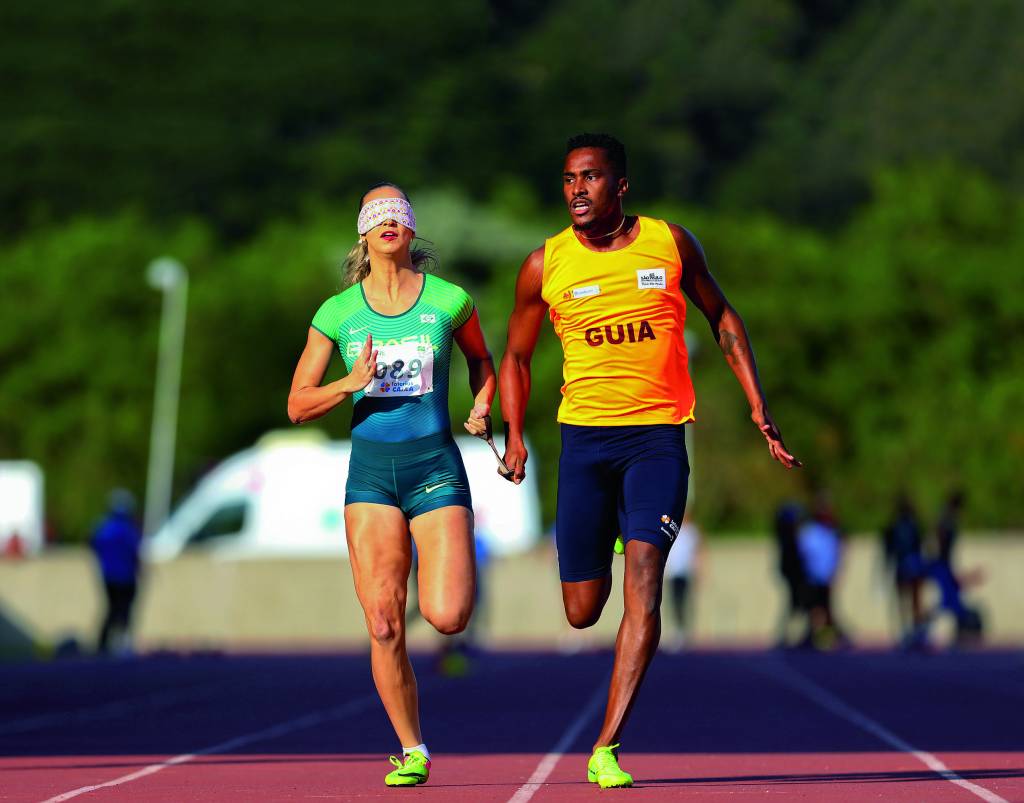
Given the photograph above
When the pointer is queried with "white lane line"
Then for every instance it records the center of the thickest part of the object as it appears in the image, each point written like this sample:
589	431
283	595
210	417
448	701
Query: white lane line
547	764
827	700
307	721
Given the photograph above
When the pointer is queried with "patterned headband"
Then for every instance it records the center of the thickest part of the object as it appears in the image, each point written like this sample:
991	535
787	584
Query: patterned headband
376	212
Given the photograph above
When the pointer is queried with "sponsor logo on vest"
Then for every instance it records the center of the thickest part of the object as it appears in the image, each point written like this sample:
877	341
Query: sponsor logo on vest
582	292
428	317
620	333
650	279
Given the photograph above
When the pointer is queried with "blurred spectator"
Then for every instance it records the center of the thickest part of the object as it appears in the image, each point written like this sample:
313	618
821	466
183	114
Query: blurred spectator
904	558
947	531
820	543
791	567
969	623
116	543
680	571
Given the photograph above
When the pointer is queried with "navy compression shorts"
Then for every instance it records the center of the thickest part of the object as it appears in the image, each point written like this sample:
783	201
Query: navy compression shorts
621	479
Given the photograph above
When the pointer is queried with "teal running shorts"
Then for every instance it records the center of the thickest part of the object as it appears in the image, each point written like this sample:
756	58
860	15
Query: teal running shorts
415	476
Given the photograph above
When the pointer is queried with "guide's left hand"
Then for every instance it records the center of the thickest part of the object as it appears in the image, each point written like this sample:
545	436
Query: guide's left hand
476	424
774	437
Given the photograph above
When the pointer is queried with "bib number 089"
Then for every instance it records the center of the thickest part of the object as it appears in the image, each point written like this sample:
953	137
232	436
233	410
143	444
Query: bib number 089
396	370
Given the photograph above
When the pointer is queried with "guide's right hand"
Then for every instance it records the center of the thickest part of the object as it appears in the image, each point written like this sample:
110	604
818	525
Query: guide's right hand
364	367
515	458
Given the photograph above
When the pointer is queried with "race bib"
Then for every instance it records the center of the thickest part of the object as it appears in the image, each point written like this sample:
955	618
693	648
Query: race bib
406	369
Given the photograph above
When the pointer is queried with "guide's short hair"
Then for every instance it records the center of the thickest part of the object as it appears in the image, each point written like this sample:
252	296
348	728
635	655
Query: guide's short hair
614	149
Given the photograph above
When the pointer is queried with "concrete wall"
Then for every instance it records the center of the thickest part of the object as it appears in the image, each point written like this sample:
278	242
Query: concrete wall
198	601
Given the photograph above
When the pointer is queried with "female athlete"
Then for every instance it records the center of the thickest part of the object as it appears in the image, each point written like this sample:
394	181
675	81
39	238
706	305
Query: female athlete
394	326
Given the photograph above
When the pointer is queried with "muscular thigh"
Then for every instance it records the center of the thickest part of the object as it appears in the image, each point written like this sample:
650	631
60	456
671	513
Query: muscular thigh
654	484
379	548
446	557
588	494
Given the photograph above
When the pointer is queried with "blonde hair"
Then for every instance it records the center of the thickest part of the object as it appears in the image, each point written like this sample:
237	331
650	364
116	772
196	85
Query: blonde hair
357	263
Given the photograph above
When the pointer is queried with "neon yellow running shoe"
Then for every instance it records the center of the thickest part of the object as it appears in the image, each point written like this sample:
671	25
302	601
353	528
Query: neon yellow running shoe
603	769
620	545
415	770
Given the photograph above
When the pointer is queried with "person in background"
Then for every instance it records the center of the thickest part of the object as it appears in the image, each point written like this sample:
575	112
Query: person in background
116	542
904	558
947	531
791	568
820	544
681	567
969	622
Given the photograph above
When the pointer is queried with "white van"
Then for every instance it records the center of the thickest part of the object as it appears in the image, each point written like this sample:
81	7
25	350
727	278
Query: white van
285	497
21	508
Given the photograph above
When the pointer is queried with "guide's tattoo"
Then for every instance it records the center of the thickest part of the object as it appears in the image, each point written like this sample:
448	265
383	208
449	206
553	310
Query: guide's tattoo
730	344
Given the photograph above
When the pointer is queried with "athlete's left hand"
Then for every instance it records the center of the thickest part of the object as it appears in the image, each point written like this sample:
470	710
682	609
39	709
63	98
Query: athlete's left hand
476	424
774	437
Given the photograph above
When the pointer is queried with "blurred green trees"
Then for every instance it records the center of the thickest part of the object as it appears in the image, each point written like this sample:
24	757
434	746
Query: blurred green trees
852	167
239	111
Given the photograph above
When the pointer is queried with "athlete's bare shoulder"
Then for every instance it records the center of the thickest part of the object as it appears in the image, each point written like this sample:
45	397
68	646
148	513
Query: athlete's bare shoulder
535	259
531	275
691	254
697	282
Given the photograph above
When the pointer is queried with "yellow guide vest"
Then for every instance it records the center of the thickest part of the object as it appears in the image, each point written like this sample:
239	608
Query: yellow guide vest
620	317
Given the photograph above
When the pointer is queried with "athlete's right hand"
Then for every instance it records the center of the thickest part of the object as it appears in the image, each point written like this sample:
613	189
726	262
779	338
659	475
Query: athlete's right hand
364	367
515	459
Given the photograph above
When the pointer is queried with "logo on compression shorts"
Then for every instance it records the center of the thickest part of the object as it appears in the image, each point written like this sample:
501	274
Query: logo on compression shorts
673	529
620	333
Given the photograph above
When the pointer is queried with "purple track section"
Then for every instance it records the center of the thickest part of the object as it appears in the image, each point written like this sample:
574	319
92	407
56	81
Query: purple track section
712	704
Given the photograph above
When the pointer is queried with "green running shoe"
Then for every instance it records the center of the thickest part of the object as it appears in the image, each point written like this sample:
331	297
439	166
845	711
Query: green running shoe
603	769
415	770
620	545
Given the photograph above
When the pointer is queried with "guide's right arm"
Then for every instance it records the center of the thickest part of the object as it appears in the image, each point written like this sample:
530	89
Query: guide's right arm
514	375
308	399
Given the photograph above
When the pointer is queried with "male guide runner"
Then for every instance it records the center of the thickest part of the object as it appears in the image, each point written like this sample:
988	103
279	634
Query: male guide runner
613	285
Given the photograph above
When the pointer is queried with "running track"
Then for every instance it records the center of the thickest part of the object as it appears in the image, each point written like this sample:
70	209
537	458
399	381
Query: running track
729	726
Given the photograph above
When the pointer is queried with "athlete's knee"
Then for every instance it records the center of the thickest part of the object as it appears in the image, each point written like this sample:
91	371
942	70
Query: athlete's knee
447	614
385	621
643	581
384	628
585	601
448	621
581	620
581	613
449	626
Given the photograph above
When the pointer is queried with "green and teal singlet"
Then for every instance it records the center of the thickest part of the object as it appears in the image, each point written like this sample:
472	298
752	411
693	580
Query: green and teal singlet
408	397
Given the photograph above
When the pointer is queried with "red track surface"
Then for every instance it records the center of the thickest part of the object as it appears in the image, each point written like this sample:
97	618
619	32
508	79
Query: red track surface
709	726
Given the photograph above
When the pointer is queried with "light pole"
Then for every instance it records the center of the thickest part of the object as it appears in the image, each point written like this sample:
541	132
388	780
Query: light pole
170	277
